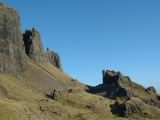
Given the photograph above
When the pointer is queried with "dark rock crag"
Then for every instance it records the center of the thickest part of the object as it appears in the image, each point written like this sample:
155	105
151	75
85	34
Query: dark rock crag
130	97
111	86
33	46
12	53
110	76
54	59
151	89
35	50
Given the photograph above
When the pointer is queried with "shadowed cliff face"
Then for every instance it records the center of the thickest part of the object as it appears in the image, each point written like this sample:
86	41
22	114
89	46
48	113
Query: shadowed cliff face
33	46
12	54
35	50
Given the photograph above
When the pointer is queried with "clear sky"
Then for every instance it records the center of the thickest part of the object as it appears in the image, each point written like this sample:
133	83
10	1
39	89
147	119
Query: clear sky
91	35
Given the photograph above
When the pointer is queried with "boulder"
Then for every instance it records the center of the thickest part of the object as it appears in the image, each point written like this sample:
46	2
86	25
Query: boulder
56	94
128	107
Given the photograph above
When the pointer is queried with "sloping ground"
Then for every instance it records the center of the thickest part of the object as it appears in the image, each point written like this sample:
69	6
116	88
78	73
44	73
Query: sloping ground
44	92
23	97
38	77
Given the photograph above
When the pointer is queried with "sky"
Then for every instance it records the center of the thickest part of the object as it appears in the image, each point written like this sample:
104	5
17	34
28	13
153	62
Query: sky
91	35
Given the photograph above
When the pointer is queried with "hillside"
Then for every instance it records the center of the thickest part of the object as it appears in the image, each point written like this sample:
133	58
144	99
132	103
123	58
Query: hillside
33	85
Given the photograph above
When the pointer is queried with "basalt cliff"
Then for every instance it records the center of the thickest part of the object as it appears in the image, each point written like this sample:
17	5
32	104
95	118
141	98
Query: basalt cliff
33	85
16	47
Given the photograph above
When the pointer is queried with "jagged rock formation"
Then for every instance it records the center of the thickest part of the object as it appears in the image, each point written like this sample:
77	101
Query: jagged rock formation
54	59
111	86
15	46
35	50
116	85
130	96
33	46
110	76
12	55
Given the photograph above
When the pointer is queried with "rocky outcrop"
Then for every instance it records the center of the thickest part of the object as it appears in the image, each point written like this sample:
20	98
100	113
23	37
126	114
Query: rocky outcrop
35	50
128	107
57	94
12	54
110	76
120	88
54	59
151	89
112	85
33	46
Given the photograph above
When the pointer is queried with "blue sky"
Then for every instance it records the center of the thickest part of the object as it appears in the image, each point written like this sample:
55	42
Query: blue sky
91	35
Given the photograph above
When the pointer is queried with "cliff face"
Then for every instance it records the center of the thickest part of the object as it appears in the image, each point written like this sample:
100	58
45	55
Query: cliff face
33	46
12	54
54	59
15	46
35	50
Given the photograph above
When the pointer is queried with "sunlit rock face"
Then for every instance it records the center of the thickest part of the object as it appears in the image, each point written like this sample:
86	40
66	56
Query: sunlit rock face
54	59
12	53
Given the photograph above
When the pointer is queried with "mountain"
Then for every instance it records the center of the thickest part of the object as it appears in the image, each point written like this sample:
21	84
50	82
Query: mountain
33	85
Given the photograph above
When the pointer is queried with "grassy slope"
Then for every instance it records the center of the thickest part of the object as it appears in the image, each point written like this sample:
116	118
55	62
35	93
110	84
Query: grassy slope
22	98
